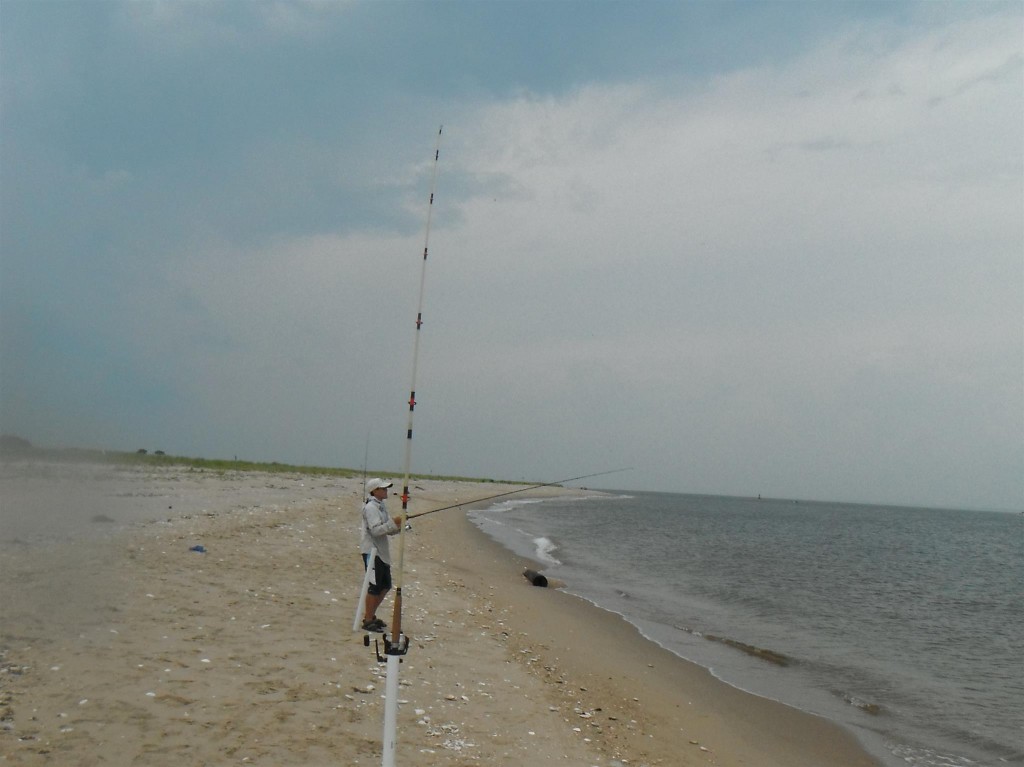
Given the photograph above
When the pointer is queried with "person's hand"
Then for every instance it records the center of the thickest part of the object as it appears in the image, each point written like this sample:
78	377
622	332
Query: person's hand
397	521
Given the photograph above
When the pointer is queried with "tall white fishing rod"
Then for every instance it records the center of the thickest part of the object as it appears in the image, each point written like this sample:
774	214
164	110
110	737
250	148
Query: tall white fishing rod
357	620
398	645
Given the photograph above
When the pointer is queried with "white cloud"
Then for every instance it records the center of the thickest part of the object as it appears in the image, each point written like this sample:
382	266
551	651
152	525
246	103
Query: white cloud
788	278
766	247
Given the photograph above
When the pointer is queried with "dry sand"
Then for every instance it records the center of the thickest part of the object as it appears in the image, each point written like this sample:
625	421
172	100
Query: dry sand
131	649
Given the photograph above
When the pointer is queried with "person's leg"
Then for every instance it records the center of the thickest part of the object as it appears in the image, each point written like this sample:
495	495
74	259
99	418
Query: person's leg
372	603
378	590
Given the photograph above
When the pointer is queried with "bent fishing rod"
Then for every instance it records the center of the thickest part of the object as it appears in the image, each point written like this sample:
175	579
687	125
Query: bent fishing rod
513	492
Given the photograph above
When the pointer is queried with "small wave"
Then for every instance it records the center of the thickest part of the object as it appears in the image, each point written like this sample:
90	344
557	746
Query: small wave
866	706
545	549
478	519
924	757
509	505
757	652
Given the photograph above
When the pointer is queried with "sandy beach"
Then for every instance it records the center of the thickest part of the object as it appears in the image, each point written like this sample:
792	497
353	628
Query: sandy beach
130	648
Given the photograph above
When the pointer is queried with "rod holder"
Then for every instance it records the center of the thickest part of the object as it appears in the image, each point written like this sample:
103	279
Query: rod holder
391	649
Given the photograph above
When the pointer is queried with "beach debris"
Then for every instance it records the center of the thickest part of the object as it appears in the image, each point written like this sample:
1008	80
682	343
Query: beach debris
537	579
449	733
771	656
867	707
198	548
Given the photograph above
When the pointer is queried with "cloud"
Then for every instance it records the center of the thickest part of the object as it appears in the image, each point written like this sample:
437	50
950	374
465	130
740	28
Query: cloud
175	27
731	267
796	274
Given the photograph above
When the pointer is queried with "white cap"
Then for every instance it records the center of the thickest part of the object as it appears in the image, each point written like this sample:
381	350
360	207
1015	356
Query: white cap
376	483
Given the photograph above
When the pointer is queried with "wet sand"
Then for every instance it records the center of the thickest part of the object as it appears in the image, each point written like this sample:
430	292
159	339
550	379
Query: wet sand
128	648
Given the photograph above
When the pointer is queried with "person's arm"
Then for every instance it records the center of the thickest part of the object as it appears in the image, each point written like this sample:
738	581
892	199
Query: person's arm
377	524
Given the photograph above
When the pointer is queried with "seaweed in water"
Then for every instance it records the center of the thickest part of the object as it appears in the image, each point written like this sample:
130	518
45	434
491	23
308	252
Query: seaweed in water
758	652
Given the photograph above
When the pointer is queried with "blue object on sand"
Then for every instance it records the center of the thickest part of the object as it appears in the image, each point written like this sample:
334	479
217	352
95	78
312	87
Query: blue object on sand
200	549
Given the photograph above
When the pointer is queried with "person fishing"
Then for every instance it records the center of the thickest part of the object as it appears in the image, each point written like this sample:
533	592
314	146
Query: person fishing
376	528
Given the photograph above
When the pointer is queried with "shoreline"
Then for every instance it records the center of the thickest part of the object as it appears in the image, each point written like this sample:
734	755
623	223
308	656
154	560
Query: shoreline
132	650
683	705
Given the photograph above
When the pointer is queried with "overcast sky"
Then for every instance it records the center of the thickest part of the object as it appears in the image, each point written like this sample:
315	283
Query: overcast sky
744	248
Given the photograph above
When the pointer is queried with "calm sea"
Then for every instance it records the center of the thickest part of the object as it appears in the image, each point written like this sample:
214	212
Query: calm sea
904	625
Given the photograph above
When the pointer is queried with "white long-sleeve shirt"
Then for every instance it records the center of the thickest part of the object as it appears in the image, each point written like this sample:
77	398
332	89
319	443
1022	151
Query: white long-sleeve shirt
377	526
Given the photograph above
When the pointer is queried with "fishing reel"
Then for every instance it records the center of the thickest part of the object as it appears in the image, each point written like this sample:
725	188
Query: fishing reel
399	648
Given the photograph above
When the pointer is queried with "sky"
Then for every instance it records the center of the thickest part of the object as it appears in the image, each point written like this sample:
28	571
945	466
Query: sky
741	248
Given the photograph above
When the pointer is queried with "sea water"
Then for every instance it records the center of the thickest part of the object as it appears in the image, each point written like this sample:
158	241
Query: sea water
904	625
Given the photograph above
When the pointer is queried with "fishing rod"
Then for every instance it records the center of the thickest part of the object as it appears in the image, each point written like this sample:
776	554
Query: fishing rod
396	628
513	492
366	461
398	644
372	557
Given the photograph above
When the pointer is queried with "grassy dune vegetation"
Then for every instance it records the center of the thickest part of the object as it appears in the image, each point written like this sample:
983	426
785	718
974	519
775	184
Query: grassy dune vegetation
15	448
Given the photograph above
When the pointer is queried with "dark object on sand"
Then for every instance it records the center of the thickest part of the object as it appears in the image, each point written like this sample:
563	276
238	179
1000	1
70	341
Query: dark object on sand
535	578
199	549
